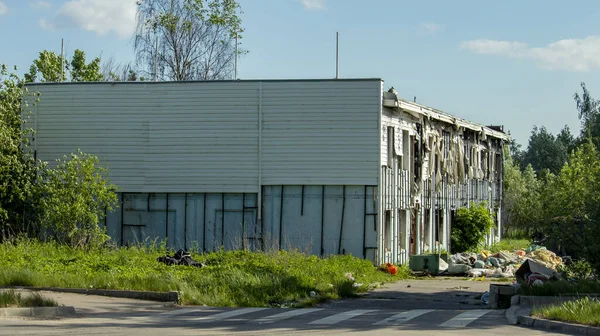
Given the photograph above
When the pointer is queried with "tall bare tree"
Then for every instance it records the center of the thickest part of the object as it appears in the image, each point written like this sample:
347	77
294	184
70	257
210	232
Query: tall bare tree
187	39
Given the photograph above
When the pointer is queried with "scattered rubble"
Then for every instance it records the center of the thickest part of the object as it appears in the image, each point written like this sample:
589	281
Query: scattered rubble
505	264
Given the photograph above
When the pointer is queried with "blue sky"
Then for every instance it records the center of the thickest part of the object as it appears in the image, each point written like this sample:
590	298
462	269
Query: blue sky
515	63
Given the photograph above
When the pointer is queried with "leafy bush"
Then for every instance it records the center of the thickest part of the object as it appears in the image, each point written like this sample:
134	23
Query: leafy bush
73	200
470	227
577	270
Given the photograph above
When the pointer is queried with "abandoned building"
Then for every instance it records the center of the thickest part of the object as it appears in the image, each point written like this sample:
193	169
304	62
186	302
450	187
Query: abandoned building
322	166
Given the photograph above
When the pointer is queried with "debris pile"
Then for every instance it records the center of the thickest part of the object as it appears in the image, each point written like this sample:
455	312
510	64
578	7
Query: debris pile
179	258
502	264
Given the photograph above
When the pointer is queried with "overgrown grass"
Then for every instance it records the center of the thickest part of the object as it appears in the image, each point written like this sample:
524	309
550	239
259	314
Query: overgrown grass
11	298
510	245
229	279
583	311
555	288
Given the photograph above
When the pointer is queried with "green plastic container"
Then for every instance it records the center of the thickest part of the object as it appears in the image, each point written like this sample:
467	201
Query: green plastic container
425	262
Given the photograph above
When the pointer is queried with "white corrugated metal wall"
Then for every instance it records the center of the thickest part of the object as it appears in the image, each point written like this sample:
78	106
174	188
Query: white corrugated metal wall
190	148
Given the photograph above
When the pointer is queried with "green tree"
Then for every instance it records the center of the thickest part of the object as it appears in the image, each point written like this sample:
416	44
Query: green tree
521	204
75	196
82	72
17	167
187	39
544	151
589	115
566	139
47	68
571	203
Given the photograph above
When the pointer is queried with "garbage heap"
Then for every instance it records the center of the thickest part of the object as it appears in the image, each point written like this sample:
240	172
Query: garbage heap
502	264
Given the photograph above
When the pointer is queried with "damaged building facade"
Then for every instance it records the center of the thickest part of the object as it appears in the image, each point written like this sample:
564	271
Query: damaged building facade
322	166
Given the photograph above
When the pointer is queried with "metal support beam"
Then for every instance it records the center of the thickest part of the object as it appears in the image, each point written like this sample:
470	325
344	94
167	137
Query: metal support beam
167	220
342	221
302	203
322	220
122	206
243	221
281	218
204	225
223	219
185	223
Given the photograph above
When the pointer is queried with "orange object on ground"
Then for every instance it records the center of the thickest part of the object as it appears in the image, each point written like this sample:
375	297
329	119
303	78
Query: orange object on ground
392	269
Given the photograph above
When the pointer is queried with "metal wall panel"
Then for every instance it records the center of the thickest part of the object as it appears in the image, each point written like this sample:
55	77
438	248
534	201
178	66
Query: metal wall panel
195	137
325	133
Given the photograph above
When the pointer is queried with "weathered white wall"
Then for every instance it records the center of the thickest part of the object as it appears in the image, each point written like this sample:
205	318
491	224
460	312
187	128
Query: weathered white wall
320	133
168	137
204	136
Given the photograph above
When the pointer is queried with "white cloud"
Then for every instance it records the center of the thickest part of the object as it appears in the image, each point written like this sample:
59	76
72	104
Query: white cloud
45	25
3	8
40	4
100	16
313	4
431	27
569	54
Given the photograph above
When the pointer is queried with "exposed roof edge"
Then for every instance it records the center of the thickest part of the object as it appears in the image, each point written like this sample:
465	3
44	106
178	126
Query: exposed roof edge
429	112
266	80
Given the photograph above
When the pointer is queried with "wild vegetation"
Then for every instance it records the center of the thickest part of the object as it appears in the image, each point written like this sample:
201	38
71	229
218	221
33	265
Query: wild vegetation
235	278
583	311
552	188
11	298
509	244
65	201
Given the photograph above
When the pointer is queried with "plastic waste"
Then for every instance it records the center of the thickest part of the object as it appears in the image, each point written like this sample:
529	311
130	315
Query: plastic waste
456	269
443	266
475	272
494	261
485	298
479	264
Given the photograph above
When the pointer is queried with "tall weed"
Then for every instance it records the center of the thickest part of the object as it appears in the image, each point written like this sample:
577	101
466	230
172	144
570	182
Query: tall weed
230	278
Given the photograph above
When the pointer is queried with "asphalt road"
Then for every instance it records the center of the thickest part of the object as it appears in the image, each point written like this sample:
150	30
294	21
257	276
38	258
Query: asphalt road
411	307
276	321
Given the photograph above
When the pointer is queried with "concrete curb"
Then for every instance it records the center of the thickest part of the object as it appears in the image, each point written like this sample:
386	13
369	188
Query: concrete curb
558	326
38	312
511	314
128	294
